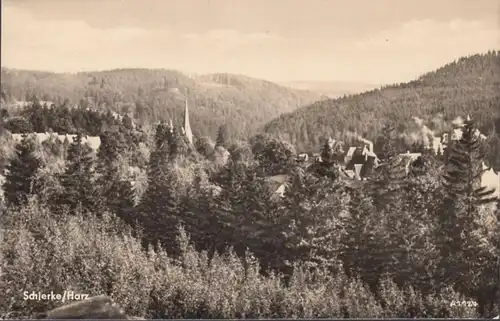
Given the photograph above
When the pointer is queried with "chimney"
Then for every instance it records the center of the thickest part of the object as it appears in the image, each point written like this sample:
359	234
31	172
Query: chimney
357	171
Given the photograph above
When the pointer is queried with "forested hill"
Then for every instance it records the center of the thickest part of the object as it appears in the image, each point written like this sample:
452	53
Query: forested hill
469	85
243	103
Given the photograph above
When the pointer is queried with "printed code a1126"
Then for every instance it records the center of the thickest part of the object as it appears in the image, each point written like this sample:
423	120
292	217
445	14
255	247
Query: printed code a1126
464	304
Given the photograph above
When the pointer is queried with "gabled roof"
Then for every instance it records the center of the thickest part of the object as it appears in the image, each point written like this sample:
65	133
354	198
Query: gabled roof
281	190
347	173
408	158
368	153
351	151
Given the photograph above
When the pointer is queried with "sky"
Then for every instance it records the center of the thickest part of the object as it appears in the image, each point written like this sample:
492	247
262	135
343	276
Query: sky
364	41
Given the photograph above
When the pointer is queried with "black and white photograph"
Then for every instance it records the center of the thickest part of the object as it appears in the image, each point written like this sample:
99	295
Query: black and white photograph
249	159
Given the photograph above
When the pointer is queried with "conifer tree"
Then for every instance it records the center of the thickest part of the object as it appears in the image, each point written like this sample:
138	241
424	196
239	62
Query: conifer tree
421	194
160	209
160	206
204	146
231	178
177	144
198	218
18	125
183	148
309	220
20	177
78	179
386	143
460	240
127	122
161	135
385	183
274	156
361	253
115	194
329	165
222	136
4	114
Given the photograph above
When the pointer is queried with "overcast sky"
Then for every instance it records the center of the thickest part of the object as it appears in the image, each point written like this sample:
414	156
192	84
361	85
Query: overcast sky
370	41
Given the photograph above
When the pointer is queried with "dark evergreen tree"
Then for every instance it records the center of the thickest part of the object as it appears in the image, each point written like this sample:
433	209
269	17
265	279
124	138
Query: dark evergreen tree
78	179
222	136
309	221
386	180
116	194
241	152
18	125
127	122
199	220
418	147
20	175
233	179
386	144
494	151
177	145
361	251
159	211
274	156
161	135
35	115
460	236
4	114
329	167
421	193
53	146
204	146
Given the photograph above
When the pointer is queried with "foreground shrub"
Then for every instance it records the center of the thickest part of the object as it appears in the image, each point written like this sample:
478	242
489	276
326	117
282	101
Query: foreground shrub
43	252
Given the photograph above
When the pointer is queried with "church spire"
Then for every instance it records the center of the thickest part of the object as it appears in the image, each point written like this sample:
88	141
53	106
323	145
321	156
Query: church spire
187	126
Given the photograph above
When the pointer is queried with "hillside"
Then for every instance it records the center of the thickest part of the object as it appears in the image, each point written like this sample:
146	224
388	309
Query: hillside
469	85
243	103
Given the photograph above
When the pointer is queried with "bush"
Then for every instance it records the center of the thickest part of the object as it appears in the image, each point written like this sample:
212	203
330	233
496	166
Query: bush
44	252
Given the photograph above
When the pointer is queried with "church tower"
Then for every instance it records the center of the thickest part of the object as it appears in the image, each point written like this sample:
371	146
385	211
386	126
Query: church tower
187	126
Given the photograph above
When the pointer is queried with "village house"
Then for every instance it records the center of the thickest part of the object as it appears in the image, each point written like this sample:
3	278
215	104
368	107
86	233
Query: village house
360	161
354	165
490	178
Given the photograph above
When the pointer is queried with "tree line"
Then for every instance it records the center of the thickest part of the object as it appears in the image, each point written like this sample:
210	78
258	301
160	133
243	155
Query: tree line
61	119
200	233
244	104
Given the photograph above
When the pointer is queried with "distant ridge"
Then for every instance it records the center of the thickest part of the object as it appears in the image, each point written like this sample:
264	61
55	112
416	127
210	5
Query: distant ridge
469	85
241	102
